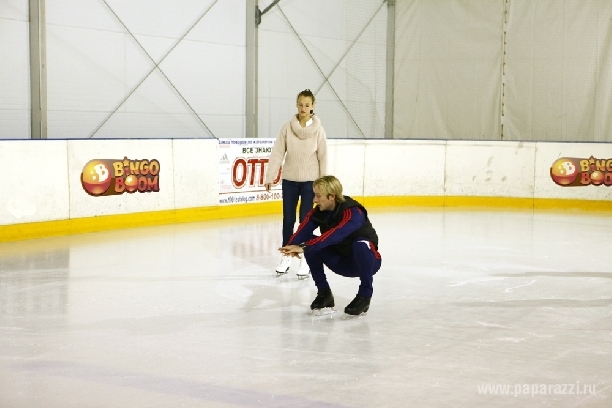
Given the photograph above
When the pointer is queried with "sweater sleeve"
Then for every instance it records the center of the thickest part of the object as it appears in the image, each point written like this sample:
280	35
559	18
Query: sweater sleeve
322	152
277	156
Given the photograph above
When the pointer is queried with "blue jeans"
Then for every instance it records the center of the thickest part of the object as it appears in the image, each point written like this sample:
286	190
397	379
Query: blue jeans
292	191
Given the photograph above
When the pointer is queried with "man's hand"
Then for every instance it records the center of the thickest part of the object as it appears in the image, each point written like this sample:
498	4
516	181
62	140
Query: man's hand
292	250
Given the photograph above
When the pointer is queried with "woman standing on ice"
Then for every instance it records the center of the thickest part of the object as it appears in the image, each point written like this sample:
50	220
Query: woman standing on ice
302	144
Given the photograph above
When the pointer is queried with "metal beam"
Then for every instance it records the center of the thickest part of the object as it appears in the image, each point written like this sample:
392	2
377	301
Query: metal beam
253	15
38	70
314	61
274	3
156	67
390	79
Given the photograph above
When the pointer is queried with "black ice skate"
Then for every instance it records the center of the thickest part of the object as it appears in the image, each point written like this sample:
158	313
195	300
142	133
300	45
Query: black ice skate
323	303
359	306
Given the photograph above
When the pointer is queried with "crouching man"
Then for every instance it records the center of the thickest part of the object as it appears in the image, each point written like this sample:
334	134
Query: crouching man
348	244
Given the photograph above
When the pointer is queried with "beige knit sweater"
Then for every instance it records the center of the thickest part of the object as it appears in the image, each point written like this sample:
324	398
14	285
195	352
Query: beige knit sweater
303	149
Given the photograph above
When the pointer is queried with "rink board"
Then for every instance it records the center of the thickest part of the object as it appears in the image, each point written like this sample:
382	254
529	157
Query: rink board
42	180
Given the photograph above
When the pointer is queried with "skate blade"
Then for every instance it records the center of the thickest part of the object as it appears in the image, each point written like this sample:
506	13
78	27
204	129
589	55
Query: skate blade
352	316
302	277
279	274
323	312
347	316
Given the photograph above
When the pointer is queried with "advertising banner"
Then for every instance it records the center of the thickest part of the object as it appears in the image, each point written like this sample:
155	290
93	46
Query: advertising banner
242	168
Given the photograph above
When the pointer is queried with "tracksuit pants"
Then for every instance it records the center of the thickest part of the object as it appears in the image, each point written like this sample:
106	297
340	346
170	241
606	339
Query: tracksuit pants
363	263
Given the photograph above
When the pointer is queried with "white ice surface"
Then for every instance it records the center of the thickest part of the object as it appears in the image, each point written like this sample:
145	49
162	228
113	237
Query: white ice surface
193	315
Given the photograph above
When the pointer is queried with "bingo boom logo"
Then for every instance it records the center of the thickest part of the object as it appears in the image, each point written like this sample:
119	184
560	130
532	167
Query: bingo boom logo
104	177
573	172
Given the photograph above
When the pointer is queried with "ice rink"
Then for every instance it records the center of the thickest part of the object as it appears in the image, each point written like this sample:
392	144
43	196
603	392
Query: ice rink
470	309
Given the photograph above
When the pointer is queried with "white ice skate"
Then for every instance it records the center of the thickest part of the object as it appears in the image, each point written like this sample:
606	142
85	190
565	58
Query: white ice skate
284	265
304	270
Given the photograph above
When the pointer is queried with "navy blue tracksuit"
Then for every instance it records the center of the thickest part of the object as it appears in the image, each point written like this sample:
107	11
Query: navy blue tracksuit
348	244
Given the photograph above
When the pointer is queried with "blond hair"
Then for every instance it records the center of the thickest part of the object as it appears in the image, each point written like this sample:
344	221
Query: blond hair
329	185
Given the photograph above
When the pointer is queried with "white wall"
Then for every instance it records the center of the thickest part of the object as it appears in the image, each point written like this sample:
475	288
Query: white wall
404	168
558	68
14	70
542	69
34	182
331	30
490	169
42	179
448	59
559	71
93	64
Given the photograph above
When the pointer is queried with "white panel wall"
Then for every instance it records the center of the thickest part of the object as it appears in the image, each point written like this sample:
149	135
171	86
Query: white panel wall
333	32
365	68
195	163
34	182
14	70
41	179
489	169
556	76
85	77
448	72
448	62
559	71
347	163
94	64
404	168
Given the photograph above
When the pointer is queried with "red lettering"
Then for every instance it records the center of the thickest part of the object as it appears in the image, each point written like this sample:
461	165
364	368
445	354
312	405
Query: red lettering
262	171
239	172
253	163
251	170
586	178
153	184
142	184
119	185
144	167
154	167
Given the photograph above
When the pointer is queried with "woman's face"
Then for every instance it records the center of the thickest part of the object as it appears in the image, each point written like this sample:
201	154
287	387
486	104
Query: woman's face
304	106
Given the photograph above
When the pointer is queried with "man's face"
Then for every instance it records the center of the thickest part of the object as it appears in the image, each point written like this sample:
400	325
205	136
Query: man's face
325	203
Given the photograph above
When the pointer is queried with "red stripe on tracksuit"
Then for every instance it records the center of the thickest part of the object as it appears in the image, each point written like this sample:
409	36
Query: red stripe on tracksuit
345	218
302	225
373	248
